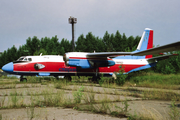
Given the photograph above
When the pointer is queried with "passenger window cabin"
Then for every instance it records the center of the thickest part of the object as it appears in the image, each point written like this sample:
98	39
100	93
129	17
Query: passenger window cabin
29	59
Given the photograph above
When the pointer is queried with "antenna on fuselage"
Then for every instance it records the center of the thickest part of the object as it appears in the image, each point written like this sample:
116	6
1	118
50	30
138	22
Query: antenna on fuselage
41	54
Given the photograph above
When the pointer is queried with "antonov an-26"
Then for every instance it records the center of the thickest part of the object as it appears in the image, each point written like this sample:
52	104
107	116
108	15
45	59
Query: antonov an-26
92	64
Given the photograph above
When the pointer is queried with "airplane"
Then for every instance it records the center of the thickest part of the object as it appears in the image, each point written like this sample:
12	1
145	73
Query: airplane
92	64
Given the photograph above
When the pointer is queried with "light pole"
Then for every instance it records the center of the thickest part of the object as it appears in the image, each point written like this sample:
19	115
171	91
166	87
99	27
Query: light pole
72	21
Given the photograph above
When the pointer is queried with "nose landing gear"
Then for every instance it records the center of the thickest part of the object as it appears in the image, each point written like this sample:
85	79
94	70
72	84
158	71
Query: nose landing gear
23	79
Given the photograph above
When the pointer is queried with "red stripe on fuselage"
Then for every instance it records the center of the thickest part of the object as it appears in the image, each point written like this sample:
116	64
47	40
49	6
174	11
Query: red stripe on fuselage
49	66
61	67
115	68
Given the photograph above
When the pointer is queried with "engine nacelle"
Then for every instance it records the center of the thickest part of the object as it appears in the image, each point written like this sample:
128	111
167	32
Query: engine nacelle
79	63
76	59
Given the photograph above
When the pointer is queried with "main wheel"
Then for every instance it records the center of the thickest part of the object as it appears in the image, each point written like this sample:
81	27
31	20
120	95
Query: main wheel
68	78
95	79
23	79
57	78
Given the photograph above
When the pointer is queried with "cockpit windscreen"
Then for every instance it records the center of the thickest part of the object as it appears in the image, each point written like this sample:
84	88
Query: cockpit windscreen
24	59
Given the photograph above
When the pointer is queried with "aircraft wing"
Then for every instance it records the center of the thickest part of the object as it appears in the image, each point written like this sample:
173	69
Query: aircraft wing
165	48
107	54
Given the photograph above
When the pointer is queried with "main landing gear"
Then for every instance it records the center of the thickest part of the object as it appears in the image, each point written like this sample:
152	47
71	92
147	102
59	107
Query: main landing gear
22	79
96	77
67	77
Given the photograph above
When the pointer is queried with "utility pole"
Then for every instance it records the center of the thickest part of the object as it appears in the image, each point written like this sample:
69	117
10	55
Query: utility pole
72	21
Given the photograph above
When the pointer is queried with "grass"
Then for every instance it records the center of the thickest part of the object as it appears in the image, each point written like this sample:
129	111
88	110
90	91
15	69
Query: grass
2	100
7	77
105	107
89	98
78	95
156	80
122	111
9	86
61	84
160	95
147	114
30	112
174	112
54	93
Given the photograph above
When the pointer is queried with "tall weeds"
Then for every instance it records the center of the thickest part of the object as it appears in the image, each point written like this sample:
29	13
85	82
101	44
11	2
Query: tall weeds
2	102
160	95
156	80
174	111
78	95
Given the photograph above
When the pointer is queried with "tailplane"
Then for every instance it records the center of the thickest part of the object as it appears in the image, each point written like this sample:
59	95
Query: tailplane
146	41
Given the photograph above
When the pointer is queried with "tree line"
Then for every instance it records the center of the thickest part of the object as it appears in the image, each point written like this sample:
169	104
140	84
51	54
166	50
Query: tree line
109	43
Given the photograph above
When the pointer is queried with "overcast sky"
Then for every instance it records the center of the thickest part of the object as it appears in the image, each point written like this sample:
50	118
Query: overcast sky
20	19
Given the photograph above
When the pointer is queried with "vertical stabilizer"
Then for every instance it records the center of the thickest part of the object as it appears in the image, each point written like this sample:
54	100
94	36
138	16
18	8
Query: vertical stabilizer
146	41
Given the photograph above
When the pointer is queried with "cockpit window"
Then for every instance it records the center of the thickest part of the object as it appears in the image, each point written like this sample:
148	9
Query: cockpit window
20	59
24	59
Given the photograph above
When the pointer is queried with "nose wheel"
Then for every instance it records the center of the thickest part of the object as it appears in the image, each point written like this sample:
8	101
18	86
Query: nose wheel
23	79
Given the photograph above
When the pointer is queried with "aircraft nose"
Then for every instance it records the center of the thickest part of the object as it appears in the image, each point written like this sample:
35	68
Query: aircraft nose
8	67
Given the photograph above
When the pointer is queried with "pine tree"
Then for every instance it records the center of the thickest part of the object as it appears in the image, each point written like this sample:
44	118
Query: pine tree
80	44
107	42
117	42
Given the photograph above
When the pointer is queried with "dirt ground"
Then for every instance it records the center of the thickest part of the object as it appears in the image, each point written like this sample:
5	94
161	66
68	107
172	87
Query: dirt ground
137	106
54	114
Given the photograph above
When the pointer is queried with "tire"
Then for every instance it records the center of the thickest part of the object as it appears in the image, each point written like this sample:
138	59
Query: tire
23	79
68	78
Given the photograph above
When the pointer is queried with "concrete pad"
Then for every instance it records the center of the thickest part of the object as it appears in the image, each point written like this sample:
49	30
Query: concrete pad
51	113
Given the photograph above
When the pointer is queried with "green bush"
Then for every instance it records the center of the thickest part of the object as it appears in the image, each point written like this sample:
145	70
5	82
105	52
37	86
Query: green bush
168	66
121	77
78	95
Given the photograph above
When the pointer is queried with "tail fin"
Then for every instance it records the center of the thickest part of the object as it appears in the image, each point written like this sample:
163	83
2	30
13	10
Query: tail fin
146	41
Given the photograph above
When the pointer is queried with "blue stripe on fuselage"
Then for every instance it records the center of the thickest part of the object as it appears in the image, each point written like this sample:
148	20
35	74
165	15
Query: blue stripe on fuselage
143	67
